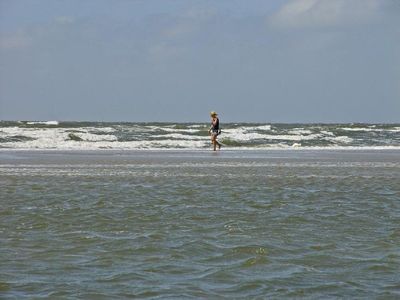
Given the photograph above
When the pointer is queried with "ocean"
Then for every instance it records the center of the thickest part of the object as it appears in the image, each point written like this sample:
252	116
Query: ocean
148	210
156	136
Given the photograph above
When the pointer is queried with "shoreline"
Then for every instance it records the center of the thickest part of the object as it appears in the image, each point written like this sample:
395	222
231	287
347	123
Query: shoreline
109	156
200	150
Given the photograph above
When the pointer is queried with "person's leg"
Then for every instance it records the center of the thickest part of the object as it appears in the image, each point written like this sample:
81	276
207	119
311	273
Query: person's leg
214	141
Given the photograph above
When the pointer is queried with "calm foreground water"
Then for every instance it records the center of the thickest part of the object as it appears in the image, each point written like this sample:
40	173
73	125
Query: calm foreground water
196	224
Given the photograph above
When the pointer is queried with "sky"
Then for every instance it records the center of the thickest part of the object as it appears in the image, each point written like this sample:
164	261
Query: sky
267	61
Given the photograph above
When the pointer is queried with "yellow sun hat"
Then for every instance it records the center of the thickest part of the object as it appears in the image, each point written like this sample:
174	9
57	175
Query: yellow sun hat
213	113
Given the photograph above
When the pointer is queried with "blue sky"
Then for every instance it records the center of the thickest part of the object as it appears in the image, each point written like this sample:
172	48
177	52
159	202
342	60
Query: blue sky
170	60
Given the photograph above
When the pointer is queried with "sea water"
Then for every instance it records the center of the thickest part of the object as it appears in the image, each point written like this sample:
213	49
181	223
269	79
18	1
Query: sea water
115	224
30	135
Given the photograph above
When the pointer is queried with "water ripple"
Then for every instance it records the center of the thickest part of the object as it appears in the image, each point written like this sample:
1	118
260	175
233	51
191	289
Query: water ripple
256	228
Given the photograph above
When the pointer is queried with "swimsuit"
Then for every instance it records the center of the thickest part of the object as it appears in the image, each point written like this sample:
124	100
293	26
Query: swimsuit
215	128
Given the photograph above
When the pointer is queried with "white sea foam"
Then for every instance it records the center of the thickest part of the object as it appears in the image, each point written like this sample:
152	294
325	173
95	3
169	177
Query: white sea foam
178	129
42	123
339	139
327	133
58	138
263	127
248	133
95	137
358	129
181	136
101	129
300	131
54	138
198	126
163	137
373	129
240	136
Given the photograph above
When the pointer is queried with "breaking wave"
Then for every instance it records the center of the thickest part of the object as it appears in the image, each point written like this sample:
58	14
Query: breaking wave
134	136
52	123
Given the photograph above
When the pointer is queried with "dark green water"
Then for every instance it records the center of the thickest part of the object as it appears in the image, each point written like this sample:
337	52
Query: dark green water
193	224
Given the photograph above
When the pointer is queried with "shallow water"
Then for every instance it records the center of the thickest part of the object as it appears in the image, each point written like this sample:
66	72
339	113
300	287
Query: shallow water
192	224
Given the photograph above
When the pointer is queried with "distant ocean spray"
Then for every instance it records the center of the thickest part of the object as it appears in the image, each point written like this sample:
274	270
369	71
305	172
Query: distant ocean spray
192	136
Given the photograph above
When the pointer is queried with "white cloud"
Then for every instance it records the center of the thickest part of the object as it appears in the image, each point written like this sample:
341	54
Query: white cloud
64	20
178	30
18	40
165	51
322	13
189	22
27	36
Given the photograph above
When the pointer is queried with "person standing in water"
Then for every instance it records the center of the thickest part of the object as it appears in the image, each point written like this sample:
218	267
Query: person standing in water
214	130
